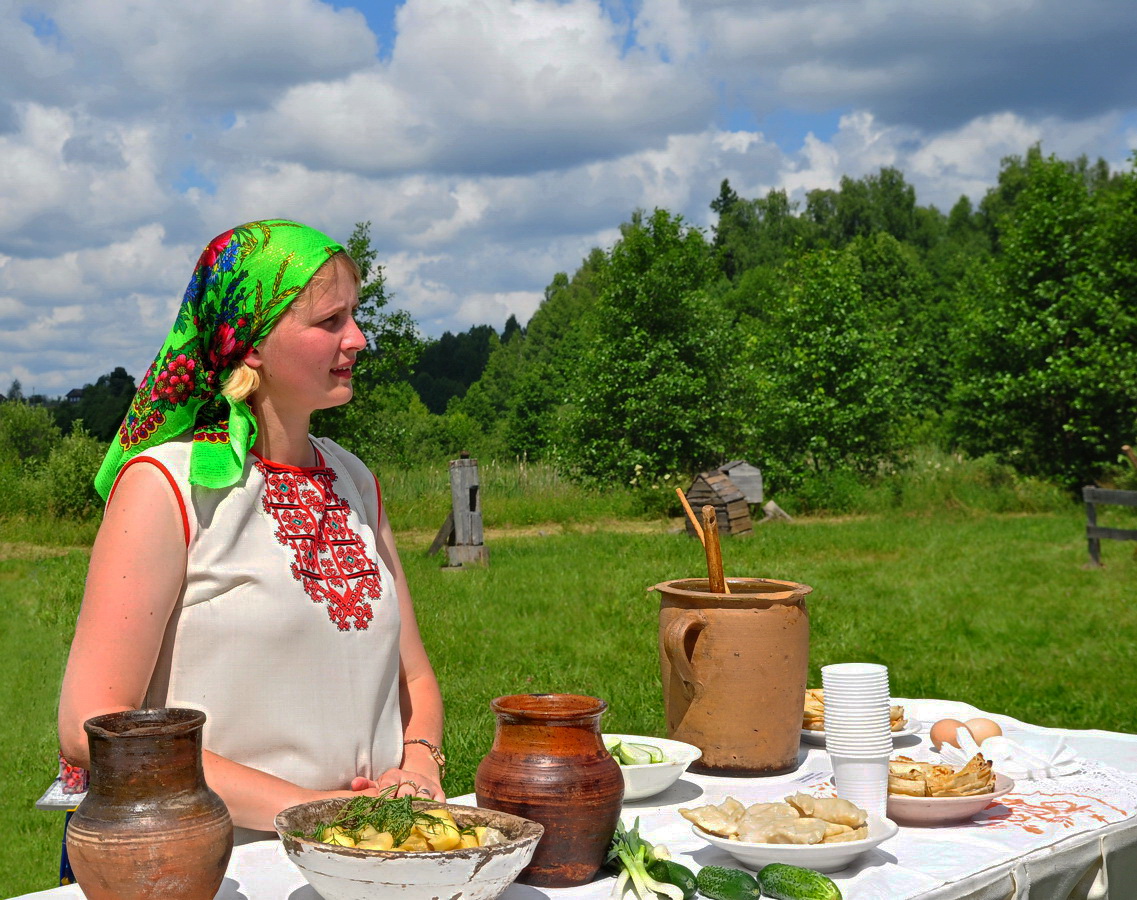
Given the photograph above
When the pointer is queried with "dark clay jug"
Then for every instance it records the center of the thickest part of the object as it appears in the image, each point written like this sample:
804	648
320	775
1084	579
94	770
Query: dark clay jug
149	826
548	763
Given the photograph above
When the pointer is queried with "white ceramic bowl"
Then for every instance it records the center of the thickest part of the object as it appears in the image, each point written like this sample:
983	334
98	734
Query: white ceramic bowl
652	778
349	873
822	857
944	810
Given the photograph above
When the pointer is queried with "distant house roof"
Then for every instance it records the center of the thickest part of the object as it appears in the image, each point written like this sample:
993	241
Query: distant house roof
75	394
747	478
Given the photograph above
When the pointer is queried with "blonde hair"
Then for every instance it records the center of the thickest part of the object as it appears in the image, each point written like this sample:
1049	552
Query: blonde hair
243	380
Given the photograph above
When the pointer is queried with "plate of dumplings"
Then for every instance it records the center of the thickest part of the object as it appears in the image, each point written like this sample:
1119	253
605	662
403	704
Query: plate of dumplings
822	833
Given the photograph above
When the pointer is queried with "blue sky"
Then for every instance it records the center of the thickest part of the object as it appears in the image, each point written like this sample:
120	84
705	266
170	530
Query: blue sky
491	143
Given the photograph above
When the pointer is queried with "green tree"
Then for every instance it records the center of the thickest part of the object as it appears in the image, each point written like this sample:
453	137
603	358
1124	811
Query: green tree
827	385
1047	368
528	379
652	386
447	367
900	297
102	406
761	232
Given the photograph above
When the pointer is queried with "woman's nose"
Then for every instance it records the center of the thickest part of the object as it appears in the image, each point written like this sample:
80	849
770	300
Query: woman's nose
354	338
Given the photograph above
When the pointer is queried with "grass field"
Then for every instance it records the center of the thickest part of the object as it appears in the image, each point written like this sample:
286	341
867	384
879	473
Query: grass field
993	609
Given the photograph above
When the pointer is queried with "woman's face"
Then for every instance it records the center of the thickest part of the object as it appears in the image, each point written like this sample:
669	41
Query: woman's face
305	362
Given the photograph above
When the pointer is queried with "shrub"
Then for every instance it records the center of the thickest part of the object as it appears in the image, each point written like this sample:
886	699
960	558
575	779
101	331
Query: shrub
67	478
27	431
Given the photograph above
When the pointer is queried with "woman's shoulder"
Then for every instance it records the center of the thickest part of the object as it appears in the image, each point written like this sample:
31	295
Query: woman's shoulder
338	454
171	457
348	464
174	451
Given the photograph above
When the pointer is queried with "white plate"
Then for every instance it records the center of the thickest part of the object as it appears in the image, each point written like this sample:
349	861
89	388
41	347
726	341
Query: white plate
945	810
651	778
818	737
822	857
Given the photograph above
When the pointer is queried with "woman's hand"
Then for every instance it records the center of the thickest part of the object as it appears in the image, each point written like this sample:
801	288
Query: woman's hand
409	783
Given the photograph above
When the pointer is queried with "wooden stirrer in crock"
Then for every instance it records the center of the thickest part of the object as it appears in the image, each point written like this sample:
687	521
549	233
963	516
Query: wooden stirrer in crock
691	515
716	579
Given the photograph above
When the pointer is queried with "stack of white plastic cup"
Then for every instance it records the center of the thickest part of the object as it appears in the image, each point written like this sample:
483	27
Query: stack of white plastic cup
858	732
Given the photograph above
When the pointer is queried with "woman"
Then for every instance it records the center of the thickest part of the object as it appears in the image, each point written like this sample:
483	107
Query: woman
246	569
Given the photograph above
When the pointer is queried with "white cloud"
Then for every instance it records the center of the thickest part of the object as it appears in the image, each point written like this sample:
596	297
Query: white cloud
498	141
53	198
209	55
490	86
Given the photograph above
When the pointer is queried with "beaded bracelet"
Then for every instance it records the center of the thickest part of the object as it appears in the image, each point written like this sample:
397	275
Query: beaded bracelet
435	753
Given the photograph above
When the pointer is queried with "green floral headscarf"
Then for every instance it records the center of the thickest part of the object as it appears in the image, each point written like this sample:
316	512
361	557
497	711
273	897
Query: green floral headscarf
243	281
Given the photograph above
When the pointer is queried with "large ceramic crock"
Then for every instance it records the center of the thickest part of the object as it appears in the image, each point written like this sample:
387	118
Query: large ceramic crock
734	668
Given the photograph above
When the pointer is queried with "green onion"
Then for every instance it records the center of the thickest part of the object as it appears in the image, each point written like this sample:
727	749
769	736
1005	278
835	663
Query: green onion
631	855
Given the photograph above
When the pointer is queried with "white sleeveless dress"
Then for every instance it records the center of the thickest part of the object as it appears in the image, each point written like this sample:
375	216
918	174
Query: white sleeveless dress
286	633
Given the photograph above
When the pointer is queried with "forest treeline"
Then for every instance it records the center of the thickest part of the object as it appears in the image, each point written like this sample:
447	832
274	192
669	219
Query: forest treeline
827	338
831	335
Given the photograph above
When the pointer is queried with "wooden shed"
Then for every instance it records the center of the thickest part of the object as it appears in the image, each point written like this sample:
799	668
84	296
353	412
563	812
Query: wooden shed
731	508
746	478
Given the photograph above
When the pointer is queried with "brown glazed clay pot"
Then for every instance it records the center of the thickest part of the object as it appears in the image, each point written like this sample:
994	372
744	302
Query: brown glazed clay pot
734	668
149	826
548	763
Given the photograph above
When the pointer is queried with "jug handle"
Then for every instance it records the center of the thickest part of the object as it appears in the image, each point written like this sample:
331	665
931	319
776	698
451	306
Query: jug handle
674	637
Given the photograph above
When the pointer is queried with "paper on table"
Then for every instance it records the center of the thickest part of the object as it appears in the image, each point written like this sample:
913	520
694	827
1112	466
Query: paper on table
1038	756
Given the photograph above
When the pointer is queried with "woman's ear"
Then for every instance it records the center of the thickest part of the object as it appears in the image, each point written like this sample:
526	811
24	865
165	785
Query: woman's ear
253	358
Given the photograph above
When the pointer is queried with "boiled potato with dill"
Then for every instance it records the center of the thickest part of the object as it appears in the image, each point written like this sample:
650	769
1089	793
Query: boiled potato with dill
394	824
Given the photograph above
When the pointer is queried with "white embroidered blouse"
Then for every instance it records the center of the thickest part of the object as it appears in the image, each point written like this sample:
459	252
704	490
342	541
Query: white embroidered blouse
286	633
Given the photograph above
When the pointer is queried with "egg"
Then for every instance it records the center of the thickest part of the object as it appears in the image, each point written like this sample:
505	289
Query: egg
981	729
943	732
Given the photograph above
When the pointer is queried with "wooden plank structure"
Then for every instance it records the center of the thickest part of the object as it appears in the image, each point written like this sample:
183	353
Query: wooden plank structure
461	533
731	509
1094	497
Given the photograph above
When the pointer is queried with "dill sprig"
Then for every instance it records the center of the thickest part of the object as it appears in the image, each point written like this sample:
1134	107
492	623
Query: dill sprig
395	815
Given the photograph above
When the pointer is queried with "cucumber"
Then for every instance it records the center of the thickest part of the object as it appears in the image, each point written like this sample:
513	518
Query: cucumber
785	882
674	873
612	744
720	883
655	755
632	755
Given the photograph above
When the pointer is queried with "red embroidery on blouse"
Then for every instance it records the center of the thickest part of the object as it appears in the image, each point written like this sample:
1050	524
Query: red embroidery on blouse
331	559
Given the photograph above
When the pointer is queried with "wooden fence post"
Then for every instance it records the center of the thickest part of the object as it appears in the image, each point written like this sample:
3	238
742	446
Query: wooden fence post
462	533
1091	528
1093	497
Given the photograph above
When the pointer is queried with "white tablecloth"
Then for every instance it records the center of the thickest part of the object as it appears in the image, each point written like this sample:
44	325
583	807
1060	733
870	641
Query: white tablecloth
1071	837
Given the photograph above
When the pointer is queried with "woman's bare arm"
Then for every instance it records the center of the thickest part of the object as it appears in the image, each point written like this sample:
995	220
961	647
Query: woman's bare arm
419	696
138	563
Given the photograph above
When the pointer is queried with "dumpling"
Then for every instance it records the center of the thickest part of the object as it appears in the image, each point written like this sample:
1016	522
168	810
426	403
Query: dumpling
794	831
754	824
764	812
712	819
831	809
732	807
855	834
